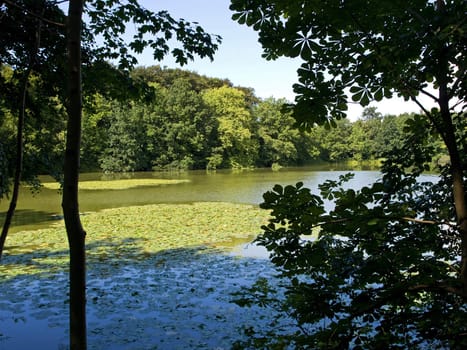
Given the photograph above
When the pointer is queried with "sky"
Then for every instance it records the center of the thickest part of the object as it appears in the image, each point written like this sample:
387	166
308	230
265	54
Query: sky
239	56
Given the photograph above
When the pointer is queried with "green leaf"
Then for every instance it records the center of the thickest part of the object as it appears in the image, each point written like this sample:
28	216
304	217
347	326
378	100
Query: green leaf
278	189
372	222
379	94
358	96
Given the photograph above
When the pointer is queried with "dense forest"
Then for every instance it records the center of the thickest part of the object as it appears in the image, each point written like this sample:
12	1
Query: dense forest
182	120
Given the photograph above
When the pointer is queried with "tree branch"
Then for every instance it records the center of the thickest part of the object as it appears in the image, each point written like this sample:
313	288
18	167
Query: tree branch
436	287
388	218
458	103
32	14
402	289
439	128
422	107
426	93
421	221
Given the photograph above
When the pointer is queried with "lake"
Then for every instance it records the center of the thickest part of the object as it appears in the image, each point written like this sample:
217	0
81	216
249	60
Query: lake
176	299
39	210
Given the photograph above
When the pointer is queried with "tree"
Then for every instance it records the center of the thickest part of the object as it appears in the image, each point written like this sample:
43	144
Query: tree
391	133
21	44
107	19
277	138
186	129
334	143
70	204
388	267
122	145
364	137
229	106
103	13
166	77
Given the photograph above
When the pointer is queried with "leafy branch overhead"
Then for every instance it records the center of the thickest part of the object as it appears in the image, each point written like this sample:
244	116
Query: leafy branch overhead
369	50
105	32
153	30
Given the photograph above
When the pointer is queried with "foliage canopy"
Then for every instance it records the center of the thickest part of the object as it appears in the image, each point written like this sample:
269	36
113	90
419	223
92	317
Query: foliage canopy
369	49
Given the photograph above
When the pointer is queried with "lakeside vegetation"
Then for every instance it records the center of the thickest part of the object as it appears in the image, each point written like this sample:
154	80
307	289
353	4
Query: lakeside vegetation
189	121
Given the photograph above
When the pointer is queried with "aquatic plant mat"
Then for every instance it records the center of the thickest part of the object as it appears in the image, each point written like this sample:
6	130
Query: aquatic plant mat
121	184
159	277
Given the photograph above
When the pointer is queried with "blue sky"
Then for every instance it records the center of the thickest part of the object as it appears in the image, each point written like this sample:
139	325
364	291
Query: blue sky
239	56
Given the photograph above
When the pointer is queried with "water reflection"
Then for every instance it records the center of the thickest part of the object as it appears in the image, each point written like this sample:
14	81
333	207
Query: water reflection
250	250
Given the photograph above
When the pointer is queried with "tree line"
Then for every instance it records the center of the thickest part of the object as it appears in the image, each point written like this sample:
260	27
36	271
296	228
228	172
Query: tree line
183	120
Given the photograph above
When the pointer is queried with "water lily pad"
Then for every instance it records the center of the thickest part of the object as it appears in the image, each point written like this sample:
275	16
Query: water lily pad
159	276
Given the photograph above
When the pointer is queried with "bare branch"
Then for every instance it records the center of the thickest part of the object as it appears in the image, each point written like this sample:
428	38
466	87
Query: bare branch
422	107
387	218
430	95
420	221
458	103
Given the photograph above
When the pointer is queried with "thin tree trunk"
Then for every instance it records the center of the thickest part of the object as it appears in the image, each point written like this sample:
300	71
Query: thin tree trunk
20	138
75	232
19	163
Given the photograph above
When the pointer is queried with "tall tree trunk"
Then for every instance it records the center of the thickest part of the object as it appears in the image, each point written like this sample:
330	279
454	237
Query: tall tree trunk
74	229
457	170
19	135
458	186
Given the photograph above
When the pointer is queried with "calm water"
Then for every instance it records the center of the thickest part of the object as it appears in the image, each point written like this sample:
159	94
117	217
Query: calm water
34	211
